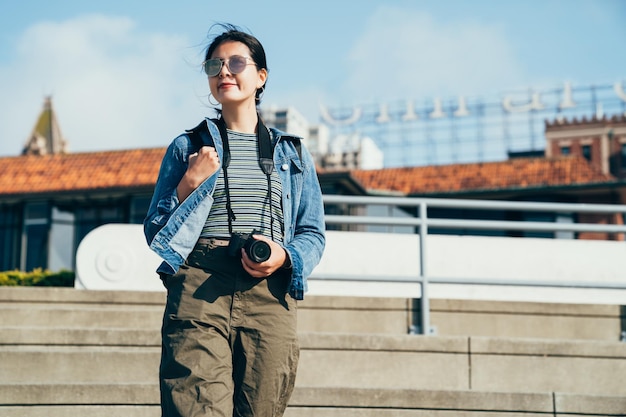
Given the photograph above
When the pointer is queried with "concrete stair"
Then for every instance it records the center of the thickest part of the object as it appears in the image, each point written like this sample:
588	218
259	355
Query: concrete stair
95	353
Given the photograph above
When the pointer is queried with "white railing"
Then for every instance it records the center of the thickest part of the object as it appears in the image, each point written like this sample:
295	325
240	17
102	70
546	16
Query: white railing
422	223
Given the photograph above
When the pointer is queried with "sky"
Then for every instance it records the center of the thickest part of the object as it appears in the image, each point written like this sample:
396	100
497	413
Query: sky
126	74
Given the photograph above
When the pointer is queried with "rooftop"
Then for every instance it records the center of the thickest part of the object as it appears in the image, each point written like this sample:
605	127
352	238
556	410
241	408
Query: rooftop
505	175
37	174
45	168
29	174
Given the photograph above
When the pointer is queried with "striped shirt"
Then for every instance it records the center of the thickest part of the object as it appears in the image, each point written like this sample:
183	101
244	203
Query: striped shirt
248	193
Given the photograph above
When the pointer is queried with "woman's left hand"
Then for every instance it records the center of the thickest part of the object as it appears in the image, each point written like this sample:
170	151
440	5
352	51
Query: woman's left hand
266	268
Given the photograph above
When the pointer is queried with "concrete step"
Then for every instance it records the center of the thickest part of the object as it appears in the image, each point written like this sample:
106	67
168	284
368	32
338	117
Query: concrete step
78	364
130	400
81	315
476	363
96	353
333	359
67	307
75	336
84	400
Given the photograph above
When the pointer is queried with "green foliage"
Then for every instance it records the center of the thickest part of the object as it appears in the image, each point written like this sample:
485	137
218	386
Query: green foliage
37	278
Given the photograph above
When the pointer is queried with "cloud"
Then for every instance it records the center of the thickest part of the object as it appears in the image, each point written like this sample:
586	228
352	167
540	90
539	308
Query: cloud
405	54
113	86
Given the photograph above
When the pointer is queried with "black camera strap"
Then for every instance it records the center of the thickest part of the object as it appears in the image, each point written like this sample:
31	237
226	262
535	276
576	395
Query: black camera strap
266	163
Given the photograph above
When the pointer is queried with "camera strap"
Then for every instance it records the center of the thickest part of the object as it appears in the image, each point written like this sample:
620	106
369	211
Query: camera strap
266	163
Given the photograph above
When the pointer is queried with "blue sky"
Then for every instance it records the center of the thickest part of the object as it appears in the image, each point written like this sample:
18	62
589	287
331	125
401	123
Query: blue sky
126	74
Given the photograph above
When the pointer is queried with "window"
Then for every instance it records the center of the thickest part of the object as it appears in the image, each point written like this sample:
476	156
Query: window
35	236
10	233
623	156
46	234
586	149
565	150
90	217
139	206
61	254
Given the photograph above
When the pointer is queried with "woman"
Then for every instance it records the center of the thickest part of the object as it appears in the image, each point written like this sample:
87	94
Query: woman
239	232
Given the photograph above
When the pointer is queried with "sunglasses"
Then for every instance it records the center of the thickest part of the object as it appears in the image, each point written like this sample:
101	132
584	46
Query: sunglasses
235	64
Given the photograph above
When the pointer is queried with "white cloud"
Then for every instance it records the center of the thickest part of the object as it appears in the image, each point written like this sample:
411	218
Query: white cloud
405	54
113	86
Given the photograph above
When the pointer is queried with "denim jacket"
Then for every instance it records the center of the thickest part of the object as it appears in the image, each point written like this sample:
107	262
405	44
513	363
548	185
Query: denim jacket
172	228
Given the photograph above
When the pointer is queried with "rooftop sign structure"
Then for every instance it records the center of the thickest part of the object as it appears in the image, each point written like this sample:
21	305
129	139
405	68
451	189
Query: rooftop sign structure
471	129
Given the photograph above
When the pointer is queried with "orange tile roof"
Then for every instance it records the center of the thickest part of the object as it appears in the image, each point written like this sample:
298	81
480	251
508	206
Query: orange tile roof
24	175
511	174
79	171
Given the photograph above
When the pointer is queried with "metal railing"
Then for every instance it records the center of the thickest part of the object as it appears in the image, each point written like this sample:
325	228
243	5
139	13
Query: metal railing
422	222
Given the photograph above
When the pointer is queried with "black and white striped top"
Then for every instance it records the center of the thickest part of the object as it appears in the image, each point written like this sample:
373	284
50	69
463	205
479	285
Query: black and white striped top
248	193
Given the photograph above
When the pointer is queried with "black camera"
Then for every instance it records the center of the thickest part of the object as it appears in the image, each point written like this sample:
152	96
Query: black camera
257	250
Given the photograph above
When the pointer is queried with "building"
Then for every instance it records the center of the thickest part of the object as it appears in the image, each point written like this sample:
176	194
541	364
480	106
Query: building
351	151
601	141
287	120
584	162
51	199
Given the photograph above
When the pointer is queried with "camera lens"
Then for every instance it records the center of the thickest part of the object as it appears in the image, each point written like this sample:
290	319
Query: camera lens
259	251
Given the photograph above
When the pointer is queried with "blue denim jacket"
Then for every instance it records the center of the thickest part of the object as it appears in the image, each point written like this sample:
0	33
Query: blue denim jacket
172	228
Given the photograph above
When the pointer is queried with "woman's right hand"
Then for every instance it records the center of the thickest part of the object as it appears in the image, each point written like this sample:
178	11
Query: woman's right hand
202	165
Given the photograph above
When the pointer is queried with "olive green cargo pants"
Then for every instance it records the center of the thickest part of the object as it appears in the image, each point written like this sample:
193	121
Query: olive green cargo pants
229	341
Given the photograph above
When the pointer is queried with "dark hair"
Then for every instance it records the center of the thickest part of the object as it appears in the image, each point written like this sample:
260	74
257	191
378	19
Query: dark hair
233	33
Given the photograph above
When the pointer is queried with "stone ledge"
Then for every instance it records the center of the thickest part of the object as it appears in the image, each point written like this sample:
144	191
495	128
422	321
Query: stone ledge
81	316
380	342
72	295
47	336
587	404
418	399
84	336
314	302
93	394
547	348
13	396
89	411
527	307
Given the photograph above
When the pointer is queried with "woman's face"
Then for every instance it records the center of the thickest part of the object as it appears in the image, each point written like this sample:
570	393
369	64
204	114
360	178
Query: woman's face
233	90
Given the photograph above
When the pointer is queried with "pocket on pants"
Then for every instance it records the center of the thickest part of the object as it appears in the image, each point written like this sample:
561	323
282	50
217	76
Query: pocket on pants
169	280
202	259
